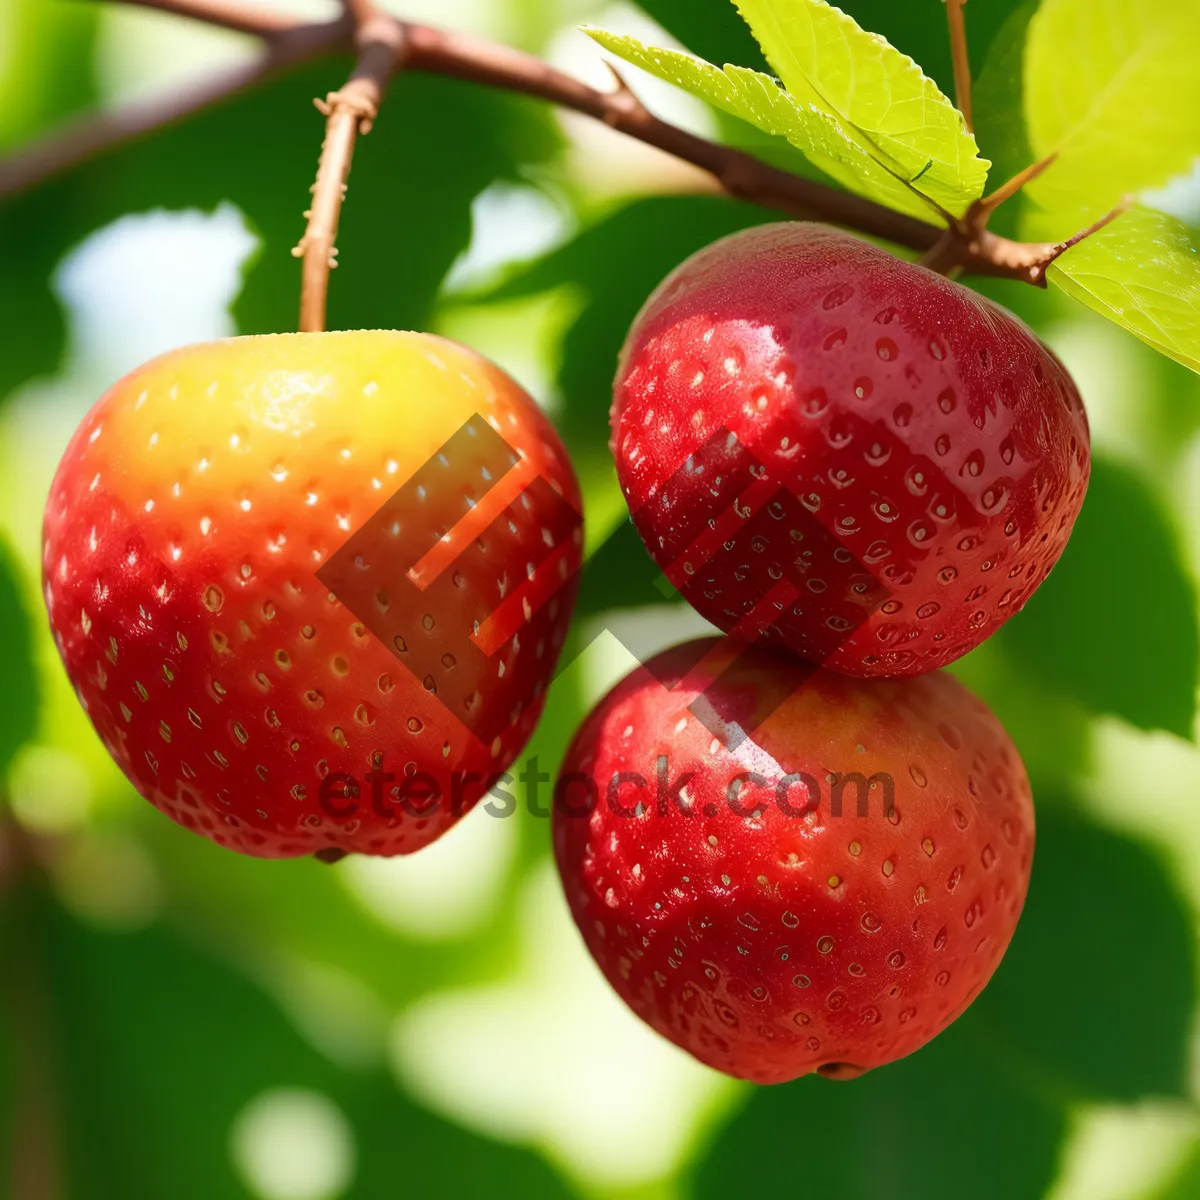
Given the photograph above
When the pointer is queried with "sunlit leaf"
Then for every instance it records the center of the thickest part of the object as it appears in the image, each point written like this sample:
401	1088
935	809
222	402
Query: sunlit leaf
1114	627
1113	89
824	58
1142	272
759	100
713	31
919	30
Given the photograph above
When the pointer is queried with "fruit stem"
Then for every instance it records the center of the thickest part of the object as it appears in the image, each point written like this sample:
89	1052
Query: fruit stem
80	141
962	63
348	113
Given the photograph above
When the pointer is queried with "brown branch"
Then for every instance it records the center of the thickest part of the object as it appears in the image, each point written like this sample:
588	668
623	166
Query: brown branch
348	112
468	58
244	18
462	56
962	63
359	11
35	1159
1025	261
84	140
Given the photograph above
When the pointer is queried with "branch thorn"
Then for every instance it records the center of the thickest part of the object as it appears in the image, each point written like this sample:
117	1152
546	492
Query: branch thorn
981	210
1119	209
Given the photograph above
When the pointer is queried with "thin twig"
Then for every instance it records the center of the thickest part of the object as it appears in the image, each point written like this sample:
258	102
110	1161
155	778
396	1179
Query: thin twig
982	210
359	11
83	140
230	14
348	113
1060	248
464	57
962	63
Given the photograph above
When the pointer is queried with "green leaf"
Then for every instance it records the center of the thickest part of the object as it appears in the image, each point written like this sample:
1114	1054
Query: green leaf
1184	1182
1052	737
174	1074
712	31
177	1044
950	1121
19	696
1113	89
46	73
407	217
824	58
405	1150
920	31
1143	273
1097	990
303	911
1115	625
759	100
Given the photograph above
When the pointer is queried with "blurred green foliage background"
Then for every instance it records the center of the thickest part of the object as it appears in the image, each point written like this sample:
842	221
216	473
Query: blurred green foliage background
182	1022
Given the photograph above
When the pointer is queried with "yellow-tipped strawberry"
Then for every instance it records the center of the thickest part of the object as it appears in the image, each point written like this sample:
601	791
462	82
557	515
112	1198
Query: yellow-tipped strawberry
310	588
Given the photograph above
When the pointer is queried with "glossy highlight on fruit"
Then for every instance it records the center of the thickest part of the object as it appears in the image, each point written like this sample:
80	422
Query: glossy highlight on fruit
936	452
203	517
825	896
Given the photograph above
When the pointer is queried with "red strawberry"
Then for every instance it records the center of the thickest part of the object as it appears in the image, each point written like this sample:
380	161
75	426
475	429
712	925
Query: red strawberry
831	922
228	544
925	454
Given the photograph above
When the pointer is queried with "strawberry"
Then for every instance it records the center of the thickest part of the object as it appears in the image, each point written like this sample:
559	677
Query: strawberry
310	588
916	458
825	893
